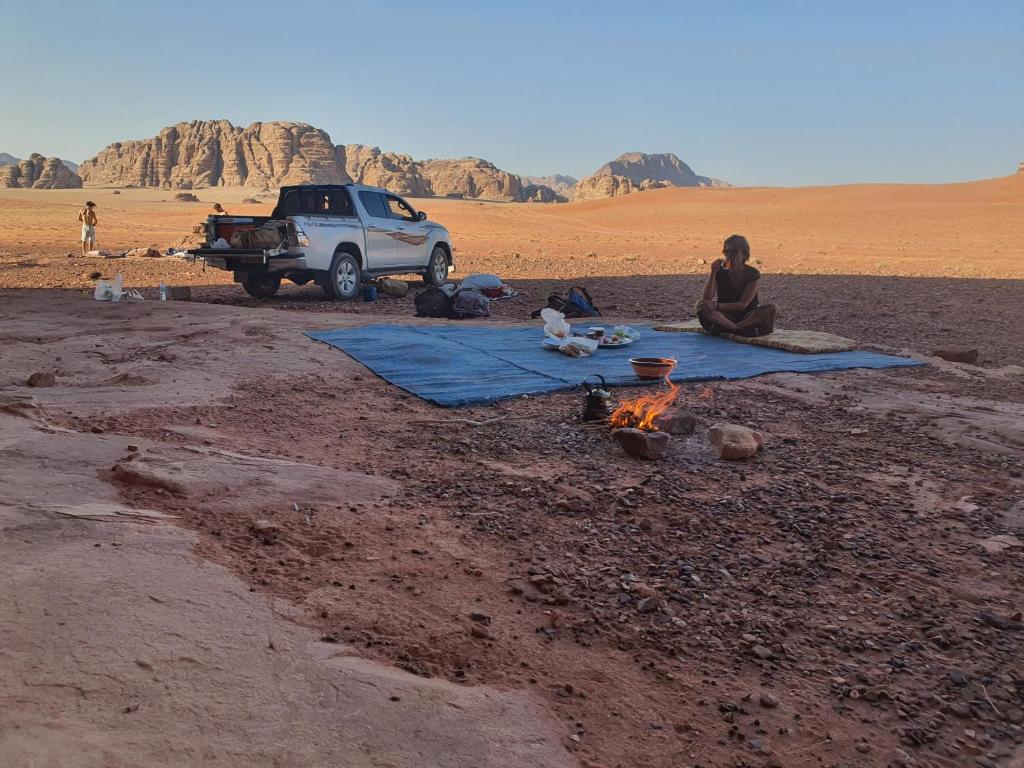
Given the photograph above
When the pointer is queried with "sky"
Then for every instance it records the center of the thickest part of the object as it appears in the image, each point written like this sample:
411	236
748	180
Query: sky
756	93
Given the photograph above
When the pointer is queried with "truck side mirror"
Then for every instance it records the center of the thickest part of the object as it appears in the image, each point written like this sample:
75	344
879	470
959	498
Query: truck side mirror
421	216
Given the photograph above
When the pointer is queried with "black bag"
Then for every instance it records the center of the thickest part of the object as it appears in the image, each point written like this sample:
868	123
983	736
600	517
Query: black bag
433	302
577	304
449	302
470	303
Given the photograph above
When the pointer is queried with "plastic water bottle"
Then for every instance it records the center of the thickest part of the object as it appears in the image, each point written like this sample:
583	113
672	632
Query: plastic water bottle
163	292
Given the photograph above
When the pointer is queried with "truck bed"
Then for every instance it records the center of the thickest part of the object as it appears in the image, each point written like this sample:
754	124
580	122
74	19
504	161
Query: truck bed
226	226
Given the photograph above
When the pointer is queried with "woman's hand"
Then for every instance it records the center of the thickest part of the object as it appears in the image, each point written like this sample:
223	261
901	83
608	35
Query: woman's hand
716	265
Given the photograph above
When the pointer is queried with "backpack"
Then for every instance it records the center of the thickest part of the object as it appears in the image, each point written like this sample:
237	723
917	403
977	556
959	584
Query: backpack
577	304
451	302
433	302
470	303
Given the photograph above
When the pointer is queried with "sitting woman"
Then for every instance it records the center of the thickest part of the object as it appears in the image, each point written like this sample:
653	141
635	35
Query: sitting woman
729	303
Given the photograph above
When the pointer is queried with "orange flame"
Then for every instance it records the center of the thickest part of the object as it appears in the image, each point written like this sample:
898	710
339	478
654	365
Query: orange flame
641	412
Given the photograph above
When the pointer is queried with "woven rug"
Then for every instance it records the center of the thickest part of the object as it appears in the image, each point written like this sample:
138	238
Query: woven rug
806	342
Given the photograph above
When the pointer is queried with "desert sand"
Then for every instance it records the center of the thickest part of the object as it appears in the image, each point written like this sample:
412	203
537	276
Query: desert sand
850	596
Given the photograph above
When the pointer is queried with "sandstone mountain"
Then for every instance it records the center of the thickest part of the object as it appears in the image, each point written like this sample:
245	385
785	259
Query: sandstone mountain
216	153
38	172
640	166
207	153
602	185
210	153
638	172
539	193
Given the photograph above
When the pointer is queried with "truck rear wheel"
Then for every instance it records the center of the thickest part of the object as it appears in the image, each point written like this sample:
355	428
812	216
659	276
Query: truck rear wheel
437	267
261	286
343	278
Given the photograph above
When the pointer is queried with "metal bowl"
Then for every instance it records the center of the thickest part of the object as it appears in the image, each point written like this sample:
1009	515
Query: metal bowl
649	368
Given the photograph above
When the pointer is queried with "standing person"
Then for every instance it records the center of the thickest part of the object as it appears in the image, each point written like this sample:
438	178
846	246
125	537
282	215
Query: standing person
729	303
89	221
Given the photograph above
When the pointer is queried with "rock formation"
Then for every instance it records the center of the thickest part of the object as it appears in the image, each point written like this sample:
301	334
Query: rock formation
368	165
208	153
638	172
640	166
39	172
559	182
472	177
540	193
216	153
603	185
6	159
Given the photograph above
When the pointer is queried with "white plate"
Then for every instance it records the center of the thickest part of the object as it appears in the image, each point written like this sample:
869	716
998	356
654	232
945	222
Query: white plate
626	341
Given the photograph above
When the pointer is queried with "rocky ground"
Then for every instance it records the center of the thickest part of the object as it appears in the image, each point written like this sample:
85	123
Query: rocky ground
850	596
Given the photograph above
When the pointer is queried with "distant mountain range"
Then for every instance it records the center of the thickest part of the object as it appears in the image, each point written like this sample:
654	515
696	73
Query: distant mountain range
211	153
560	183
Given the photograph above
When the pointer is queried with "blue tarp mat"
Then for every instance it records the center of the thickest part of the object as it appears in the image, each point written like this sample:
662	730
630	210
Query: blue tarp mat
453	366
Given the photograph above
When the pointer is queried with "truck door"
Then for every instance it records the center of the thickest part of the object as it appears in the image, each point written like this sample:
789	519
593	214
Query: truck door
380	231
411	240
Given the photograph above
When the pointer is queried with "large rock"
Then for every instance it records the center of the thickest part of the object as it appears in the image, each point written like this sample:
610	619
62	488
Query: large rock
603	185
638	172
735	442
38	172
391	170
472	177
666	167
645	445
207	153
539	193
675	421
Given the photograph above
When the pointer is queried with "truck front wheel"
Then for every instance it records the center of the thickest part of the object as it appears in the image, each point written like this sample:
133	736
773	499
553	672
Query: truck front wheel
261	286
437	268
343	278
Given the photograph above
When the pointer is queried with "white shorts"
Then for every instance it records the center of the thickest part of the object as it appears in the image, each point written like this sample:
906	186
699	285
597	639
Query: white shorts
88	232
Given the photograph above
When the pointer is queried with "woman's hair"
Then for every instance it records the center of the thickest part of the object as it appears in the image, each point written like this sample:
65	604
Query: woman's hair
737	242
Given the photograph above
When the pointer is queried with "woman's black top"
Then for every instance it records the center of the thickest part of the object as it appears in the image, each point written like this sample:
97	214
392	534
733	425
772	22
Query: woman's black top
728	292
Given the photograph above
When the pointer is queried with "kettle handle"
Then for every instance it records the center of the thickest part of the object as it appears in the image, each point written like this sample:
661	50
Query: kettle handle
590	387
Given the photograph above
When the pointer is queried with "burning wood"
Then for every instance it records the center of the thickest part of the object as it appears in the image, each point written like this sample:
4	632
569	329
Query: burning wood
643	412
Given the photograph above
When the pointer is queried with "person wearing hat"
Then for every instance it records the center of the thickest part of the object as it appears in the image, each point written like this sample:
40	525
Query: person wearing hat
89	221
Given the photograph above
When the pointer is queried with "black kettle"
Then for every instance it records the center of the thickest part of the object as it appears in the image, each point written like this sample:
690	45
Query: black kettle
596	405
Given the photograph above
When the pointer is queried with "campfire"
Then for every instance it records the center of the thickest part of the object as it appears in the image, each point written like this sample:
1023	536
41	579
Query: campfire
643	412
643	426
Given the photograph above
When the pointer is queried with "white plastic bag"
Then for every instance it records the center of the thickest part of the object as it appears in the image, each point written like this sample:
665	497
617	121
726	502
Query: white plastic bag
578	346
109	290
554	323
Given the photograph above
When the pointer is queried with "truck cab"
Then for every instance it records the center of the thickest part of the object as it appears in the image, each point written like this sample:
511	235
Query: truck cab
338	235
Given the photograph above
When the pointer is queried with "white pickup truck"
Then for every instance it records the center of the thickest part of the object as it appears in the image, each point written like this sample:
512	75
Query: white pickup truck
338	235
